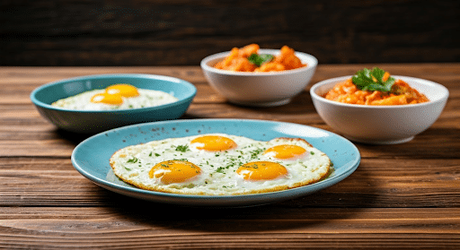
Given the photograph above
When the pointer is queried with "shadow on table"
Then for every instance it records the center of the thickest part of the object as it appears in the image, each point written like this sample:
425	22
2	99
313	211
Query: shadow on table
335	203
74	138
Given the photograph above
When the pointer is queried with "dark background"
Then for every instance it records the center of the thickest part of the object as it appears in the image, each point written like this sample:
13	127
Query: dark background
180	32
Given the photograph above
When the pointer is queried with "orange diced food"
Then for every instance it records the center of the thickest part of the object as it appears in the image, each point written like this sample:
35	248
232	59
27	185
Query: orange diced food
401	93
238	60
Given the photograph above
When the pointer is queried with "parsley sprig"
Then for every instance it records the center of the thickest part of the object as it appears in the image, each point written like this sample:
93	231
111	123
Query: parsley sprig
258	60
372	80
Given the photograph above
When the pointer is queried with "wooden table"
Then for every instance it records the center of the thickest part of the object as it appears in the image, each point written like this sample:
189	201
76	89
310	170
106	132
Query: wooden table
405	196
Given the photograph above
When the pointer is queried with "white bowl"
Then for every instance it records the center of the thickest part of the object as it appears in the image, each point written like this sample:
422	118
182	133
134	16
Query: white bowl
259	89
381	124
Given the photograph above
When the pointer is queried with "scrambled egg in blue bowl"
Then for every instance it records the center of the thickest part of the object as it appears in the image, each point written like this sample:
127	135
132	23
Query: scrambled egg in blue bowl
95	103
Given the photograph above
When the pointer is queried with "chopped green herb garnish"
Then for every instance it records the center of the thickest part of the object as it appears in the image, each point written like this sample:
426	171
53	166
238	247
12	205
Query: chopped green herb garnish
372	80
133	160
260	59
182	148
181	159
255	153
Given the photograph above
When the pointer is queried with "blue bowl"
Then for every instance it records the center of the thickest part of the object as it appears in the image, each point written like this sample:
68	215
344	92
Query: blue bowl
90	122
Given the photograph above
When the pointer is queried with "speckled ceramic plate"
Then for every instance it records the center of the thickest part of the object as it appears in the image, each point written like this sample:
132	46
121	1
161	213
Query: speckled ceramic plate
91	157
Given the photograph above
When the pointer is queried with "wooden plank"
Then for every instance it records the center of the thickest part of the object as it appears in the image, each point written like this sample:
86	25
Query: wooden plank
55	142
172	228
382	182
401	196
315	220
41	75
17	114
10	74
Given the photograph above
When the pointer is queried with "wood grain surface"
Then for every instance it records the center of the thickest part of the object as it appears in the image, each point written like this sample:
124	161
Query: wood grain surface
182	32
404	196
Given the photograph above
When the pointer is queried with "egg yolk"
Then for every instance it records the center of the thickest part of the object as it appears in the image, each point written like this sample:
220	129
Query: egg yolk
124	90
261	170
107	98
285	151
213	143
174	171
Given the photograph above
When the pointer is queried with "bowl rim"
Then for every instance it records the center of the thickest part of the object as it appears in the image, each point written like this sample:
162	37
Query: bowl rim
431	84
312	63
187	98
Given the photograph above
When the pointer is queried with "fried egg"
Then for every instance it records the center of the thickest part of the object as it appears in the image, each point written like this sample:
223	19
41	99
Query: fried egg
114	97
220	164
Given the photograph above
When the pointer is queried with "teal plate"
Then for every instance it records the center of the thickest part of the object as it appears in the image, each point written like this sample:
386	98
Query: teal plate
91	157
95	121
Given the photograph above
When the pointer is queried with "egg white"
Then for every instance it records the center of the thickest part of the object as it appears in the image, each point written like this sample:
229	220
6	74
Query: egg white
218	169
146	98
